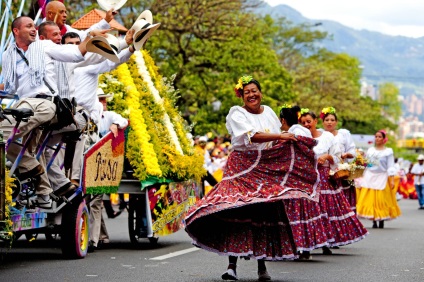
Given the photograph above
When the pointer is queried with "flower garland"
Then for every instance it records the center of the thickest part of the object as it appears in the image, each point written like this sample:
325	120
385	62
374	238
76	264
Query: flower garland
172	163
169	95
142	70
7	232
325	111
139	143
242	81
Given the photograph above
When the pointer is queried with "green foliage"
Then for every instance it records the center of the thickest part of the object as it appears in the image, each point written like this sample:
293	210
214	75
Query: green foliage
208	45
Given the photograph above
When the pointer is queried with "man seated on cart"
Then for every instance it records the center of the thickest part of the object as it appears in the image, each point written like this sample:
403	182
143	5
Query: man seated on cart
28	71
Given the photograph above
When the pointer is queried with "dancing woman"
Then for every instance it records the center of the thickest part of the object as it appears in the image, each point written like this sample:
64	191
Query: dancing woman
244	214
343	227
304	215
377	195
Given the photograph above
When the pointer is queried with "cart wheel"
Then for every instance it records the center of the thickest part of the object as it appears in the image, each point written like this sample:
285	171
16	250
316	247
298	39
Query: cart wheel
75	236
153	240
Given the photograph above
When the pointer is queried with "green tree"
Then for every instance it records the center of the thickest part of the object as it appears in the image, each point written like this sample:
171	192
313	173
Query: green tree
389	101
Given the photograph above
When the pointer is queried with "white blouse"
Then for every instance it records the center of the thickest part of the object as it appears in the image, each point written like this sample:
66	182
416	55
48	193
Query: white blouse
345	142
383	160
327	145
242	125
297	129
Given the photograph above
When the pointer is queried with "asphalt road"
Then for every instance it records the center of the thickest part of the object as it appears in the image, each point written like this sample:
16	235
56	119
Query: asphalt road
395	253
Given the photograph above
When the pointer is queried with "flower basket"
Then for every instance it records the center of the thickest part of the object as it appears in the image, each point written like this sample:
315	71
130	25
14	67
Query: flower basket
341	174
356	173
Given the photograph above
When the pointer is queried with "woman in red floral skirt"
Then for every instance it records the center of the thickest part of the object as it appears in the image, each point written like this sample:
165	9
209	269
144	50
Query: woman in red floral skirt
343	227
244	215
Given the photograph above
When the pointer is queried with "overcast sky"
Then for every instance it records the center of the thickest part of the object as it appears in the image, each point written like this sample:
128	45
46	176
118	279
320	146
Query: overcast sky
394	17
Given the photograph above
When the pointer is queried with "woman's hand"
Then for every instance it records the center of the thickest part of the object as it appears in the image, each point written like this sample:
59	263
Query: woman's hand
322	159
287	136
347	156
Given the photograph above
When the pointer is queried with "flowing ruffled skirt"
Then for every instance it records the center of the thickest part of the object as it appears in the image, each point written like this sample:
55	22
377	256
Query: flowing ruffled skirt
377	204
342	225
244	214
349	191
306	221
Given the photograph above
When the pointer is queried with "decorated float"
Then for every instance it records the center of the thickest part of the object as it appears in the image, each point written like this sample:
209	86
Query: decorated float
161	172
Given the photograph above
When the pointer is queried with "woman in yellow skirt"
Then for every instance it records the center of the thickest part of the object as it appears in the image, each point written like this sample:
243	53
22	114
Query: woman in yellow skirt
377	195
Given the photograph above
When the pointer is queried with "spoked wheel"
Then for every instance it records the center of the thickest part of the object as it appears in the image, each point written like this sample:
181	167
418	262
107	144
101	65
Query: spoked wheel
137	219
75	236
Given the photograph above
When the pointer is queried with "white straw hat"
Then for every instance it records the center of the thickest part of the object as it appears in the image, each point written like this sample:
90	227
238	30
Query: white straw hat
101	94
111	4
107	46
143	29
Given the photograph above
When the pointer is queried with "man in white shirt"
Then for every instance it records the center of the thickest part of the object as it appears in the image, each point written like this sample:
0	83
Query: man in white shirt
418	171
85	93
28	71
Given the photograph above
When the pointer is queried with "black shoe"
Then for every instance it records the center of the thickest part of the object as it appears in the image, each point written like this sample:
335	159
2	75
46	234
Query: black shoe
65	189
326	251
381	224
374	224
91	248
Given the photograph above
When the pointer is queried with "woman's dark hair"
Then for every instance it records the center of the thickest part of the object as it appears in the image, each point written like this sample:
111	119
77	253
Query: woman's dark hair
312	114
254	81
70	35
290	115
327	114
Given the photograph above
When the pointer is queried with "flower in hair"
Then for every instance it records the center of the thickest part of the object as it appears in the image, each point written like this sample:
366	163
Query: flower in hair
328	110
304	111
242	81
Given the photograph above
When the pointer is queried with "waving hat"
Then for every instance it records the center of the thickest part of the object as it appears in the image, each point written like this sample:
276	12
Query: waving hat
109	4
101	94
107	46
143	28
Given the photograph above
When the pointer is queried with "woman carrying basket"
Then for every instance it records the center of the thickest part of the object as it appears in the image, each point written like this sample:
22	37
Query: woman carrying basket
343	227
347	146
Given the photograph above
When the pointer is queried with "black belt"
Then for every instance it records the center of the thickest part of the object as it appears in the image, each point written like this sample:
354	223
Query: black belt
47	97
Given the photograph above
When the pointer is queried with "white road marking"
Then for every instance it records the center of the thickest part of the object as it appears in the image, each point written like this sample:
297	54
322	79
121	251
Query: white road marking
175	254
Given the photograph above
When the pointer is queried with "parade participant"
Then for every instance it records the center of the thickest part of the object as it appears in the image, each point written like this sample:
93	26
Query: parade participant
376	196
244	214
28	71
340	221
56	12
418	172
347	147
85	93
60	183
304	215
110	121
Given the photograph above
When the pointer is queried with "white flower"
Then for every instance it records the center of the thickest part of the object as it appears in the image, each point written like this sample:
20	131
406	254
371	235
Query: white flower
344	166
144	73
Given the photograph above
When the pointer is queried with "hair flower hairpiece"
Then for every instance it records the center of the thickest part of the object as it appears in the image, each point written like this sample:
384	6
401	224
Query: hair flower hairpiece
245	79
304	111
325	111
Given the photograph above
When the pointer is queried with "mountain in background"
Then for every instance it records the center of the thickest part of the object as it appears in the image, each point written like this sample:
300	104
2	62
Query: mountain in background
385	58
